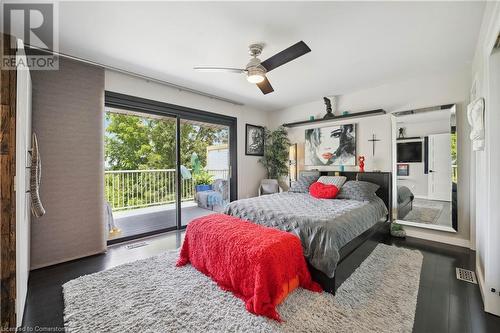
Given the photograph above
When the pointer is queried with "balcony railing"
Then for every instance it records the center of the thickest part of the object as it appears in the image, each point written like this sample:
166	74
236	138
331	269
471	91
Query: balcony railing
129	189
454	173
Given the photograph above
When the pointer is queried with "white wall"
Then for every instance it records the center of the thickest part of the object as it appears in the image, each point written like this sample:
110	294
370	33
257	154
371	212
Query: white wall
440	122
485	194
250	172
365	127
413	93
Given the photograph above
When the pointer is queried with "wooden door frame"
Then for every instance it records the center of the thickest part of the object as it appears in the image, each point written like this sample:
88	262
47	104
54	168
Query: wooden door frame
7	191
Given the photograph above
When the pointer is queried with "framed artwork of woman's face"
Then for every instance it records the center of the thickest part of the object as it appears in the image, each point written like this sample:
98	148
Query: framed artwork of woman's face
334	145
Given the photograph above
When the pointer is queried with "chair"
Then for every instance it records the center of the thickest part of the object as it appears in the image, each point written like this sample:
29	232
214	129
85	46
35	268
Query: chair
217	197
269	186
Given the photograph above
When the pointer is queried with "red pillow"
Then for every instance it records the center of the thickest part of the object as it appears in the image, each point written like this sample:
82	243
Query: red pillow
323	191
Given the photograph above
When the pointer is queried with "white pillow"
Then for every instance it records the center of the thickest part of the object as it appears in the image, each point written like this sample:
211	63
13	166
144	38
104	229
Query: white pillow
333	180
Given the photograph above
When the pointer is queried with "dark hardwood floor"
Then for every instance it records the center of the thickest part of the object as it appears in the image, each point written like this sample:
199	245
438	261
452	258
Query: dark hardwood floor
444	303
147	220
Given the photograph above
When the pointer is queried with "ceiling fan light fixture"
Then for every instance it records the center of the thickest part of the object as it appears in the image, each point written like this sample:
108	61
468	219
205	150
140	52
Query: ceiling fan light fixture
255	75
256	69
257	78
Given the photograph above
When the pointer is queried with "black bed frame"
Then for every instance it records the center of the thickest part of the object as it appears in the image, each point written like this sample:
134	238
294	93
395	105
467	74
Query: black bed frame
356	251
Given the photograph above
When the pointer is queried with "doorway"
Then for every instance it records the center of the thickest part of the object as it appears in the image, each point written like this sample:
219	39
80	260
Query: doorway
440	157
164	166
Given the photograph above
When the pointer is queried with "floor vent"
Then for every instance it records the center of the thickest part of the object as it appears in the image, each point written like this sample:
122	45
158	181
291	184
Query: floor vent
466	275
139	244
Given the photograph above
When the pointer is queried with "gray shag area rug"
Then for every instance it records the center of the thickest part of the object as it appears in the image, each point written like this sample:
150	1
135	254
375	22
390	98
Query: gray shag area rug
424	211
152	295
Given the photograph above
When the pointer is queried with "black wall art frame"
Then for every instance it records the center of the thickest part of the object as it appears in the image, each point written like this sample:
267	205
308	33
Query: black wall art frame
254	140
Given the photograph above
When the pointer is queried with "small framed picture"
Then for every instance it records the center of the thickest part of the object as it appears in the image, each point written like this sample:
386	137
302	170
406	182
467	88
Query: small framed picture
403	169
254	140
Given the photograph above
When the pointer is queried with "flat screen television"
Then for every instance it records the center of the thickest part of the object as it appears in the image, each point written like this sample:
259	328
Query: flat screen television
409	152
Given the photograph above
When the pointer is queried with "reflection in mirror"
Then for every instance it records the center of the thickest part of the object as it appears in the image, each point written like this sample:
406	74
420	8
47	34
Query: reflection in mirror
426	167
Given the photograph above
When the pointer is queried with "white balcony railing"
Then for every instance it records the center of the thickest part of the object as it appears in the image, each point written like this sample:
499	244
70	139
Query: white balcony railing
129	189
454	173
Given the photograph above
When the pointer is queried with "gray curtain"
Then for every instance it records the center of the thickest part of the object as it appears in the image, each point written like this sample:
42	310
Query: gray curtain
68	117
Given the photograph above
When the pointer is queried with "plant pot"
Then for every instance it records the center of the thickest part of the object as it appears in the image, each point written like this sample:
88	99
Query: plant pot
202	188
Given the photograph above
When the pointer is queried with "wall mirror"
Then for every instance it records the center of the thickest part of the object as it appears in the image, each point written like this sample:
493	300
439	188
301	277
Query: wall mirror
426	172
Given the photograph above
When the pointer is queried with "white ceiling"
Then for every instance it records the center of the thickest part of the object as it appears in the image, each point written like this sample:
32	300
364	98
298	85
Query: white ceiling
354	45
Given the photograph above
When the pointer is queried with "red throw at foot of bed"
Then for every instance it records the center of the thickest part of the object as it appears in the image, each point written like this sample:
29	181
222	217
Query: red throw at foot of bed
258	264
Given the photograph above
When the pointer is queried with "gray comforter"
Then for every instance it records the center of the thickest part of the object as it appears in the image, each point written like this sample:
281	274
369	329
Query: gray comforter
323	225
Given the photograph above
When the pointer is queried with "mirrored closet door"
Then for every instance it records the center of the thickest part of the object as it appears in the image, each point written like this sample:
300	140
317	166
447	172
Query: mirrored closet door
426	167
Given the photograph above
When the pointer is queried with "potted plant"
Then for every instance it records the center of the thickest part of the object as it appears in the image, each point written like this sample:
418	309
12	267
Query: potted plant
203	181
397	230
276	153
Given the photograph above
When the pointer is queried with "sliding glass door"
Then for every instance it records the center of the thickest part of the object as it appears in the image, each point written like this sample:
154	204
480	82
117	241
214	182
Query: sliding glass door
164	165
204	149
140	173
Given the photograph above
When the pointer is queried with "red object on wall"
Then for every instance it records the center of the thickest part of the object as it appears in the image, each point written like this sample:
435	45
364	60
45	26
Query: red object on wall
258	264
323	191
361	163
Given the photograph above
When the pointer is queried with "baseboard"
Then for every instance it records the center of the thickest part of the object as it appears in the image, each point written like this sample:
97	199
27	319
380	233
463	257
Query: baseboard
480	278
73	258
437	238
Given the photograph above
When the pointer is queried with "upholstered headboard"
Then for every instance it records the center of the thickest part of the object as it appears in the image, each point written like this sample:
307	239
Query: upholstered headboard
382	179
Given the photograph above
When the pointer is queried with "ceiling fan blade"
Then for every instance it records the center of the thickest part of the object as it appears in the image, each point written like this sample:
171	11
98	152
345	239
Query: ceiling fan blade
219	69
265	86
286	55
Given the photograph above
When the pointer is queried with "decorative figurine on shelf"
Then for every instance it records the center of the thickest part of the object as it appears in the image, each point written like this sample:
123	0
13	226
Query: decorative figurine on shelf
329	111
401	133
361	160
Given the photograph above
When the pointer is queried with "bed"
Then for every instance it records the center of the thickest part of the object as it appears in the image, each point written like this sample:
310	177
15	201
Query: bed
405	201
330	230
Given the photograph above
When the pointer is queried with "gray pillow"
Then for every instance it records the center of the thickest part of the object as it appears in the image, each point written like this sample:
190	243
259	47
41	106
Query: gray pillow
358	190
303	183
333	180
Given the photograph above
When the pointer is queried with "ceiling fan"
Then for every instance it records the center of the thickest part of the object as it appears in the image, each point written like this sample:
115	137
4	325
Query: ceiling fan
256	69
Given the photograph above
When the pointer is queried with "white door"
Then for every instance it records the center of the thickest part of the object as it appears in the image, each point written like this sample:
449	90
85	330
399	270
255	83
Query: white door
440	167
23	212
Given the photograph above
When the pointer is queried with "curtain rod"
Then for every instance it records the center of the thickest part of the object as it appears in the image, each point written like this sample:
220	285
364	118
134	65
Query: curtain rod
144	77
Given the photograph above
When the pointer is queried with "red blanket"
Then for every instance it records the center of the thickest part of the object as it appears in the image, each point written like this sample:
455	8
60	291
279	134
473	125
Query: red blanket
258	264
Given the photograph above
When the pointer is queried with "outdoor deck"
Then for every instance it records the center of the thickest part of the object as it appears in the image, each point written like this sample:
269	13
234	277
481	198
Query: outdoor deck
143	201
144	220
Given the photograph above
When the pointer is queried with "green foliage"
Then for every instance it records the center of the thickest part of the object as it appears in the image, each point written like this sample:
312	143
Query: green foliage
203	178
454	148
396	227
276	146
141	143
138	143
